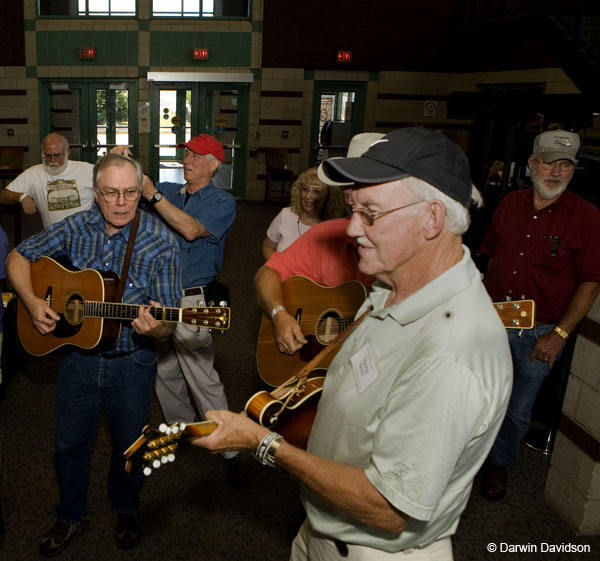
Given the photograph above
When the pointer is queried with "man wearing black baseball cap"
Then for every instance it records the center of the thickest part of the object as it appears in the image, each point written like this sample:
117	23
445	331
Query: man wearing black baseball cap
413	399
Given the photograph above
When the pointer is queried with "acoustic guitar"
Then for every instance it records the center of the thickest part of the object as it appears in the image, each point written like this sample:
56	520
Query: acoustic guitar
89	317
324	312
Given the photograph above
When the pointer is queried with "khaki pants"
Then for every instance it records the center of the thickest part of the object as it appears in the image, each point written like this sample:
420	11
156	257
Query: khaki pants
312	546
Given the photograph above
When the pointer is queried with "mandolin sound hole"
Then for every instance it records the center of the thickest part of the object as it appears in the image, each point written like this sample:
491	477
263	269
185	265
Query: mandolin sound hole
74	311
328	327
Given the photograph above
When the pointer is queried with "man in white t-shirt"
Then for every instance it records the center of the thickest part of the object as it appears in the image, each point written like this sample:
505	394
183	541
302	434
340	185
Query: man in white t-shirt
55	188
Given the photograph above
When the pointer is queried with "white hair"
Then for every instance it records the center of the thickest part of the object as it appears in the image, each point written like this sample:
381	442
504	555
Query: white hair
458	218
219	163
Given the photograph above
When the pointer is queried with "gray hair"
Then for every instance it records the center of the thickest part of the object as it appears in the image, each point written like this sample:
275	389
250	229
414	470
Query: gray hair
213	157
117	160
458	218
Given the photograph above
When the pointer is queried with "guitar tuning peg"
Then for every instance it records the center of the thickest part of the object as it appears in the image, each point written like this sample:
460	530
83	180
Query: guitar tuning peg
163	428
164	459
147	470
156	463
171	457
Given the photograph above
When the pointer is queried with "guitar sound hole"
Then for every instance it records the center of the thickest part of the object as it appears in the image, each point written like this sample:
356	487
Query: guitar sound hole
74	309
328	327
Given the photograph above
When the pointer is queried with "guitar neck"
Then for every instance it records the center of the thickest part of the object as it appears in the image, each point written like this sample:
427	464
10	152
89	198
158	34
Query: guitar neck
114	310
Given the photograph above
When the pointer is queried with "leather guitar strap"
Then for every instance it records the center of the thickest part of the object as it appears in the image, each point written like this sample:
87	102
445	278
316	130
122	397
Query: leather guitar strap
125	269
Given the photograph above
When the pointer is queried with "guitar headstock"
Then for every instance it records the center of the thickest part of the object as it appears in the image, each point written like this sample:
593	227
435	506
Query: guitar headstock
516	314
156	447
217	317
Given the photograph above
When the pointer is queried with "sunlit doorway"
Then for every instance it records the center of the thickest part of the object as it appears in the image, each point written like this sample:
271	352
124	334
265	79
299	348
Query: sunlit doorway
93	115
182	110
338	114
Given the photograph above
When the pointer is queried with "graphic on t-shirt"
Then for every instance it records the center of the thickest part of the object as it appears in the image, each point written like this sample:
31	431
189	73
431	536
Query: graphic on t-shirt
63	194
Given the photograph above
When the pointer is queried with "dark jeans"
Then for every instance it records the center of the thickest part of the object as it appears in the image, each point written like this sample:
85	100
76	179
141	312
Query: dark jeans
87	384
528	377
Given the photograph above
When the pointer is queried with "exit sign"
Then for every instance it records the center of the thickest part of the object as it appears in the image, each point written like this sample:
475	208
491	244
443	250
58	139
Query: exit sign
200	54
344	56
86	53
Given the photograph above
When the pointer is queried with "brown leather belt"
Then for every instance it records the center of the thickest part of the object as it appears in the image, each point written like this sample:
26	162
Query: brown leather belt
193	291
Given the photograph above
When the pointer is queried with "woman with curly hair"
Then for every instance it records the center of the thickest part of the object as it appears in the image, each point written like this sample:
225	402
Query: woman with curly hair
312	201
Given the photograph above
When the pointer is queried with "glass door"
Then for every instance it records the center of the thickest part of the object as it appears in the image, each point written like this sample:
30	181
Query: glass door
93	115
181	110
338	114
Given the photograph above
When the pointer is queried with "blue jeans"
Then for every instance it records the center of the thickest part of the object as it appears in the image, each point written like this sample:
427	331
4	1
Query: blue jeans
527	379
86	384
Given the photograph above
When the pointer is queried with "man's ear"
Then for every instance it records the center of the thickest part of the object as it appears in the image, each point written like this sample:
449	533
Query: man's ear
435	219
530	162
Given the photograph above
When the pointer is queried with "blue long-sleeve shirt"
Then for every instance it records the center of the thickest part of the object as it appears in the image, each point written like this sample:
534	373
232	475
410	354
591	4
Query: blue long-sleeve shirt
201	259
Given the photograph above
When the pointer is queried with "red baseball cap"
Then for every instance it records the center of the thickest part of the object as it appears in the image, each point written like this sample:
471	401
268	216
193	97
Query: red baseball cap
205	144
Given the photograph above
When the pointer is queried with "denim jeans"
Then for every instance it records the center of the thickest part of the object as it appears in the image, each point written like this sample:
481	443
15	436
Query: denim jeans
86	385
527	379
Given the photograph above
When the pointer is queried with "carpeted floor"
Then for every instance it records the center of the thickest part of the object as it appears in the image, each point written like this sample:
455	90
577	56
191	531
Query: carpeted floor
189	512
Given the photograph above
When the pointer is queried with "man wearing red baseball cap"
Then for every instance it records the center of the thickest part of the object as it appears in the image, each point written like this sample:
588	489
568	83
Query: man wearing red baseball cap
201	215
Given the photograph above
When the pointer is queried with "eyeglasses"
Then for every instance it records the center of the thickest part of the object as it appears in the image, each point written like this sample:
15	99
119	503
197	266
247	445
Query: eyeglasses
564	166
369	218
51	157
112	195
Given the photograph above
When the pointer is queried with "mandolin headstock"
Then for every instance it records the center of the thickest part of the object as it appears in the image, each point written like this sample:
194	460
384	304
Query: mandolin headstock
156	447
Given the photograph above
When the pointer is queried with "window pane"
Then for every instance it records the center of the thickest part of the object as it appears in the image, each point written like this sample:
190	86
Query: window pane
98	7
205	8
122	7
191	7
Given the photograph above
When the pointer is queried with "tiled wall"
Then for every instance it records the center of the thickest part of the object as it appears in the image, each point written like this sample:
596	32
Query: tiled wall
280	98
573	483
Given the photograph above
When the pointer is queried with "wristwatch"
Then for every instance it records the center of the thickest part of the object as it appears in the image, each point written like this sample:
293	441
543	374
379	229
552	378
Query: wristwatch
155	198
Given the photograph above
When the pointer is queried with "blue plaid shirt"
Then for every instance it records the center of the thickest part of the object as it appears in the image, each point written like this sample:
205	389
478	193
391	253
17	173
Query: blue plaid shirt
154	271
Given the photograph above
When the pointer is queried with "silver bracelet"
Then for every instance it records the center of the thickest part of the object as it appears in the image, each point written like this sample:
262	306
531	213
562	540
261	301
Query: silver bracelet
276	310
267	448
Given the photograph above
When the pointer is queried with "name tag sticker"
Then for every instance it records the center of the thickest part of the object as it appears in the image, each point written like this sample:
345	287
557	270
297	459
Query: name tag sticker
365	370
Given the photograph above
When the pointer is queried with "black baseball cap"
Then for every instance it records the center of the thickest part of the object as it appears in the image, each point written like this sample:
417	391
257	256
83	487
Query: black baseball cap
411	152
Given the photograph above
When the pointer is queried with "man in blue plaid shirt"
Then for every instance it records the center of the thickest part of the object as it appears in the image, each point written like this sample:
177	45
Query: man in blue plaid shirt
120	380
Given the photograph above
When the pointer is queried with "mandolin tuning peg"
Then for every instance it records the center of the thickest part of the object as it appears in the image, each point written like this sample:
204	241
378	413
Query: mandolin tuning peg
147	470
171	457
156	463
163	428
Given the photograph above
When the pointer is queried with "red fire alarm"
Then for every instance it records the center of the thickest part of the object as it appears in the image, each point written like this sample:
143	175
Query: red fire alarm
86	53
200	54
344	56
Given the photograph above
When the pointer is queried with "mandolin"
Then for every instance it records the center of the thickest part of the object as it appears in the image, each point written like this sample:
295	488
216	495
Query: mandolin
156	447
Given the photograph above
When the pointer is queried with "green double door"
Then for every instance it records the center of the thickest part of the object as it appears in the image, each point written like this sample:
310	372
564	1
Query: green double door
181	110
96	115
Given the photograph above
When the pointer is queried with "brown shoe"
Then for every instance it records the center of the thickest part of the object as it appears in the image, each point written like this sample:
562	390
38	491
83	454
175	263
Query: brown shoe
493	487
